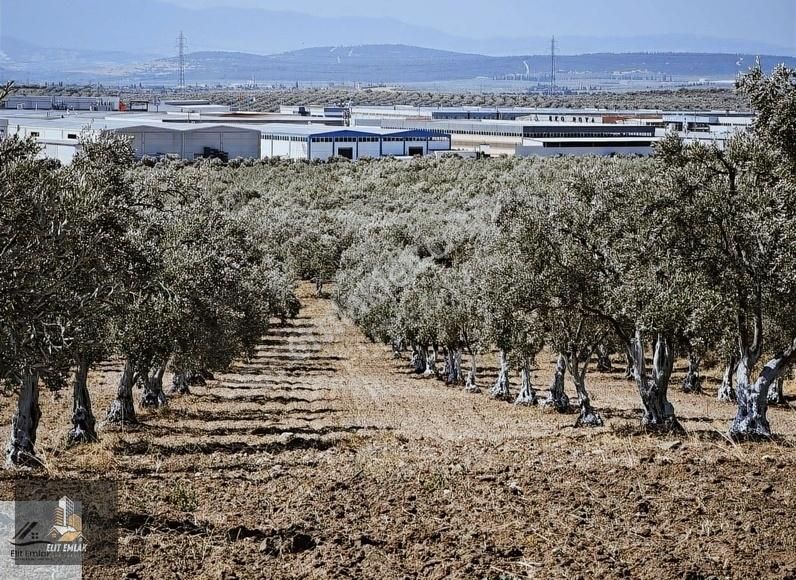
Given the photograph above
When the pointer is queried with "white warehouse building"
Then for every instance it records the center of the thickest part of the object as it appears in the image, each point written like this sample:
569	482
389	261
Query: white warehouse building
59	137
318	142
153	136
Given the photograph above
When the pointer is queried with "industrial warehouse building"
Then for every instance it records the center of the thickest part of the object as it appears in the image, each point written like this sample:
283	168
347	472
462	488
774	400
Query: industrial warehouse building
318	142
49	103
558	115
59	137
154	136
601	146
533	137
189	129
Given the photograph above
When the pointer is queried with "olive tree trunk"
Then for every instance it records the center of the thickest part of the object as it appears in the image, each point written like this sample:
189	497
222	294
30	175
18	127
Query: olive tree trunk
527	396
122	411
20	450
558	399
180	383
604	364
751	420
653	388
776	395
726	389
630	374
83	422
692	383
471	382
431	362
153	395
453	366
577	365
501	390
419	356
397	346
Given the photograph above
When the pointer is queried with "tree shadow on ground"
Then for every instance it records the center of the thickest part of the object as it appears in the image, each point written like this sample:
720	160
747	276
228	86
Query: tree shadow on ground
220	415
303	369
131	448
291	358
280	399
162	430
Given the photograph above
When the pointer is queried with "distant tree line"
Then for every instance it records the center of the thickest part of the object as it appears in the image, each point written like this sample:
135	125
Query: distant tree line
271	99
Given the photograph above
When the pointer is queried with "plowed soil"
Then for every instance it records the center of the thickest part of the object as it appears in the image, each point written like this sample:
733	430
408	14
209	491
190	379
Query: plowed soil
325	457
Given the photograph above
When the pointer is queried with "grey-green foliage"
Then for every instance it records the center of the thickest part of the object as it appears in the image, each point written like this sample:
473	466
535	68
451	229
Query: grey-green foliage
740	204
100	258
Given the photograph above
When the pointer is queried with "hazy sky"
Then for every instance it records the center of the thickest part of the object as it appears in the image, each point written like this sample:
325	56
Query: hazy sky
771	21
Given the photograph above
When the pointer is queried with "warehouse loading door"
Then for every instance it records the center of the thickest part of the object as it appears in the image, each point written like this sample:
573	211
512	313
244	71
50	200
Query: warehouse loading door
347	152
415	151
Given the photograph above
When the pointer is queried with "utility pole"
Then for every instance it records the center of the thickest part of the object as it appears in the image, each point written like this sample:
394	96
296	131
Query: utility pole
181	49
553	66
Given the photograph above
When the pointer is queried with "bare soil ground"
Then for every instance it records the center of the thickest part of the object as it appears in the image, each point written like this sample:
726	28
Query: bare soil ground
324	457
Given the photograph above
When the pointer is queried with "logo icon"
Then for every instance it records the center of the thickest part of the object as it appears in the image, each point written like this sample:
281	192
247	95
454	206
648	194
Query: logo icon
67	525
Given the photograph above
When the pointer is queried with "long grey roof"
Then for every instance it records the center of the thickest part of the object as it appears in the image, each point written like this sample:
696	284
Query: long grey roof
327	131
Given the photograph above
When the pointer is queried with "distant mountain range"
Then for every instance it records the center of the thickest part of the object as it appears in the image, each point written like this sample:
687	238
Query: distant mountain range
369	63
144	27
400	63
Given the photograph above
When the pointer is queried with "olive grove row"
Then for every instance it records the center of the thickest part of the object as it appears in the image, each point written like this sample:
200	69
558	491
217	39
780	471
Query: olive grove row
100	261
691	253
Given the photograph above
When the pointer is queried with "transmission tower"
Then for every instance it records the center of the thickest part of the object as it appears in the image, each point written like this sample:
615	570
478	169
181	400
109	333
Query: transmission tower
553	65
181	49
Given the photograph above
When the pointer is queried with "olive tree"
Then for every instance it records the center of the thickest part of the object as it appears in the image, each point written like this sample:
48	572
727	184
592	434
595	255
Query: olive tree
33	247
106	205
743	200
631	278
207	300
59	230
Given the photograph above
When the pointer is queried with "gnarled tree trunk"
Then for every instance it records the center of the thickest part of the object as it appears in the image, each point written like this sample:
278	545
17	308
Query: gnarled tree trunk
419	356
658	411
527	396
558	399
726	389
577	364
604	364
20	450
453	366
153	395
692	383
431	362
122	411
471	382
397	347
83	421
751	420
180	383
501	390
629	366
